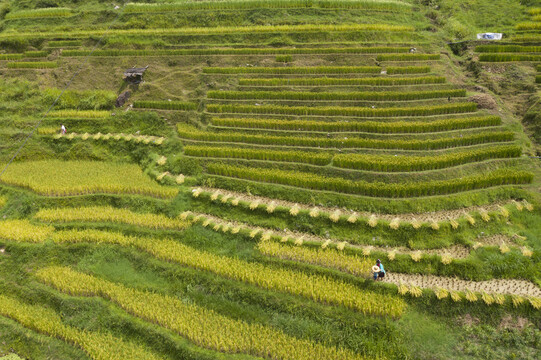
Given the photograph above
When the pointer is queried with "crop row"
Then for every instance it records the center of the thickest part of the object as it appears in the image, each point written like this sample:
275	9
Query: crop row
315	287
234	51
370	162
372	220
529	26
315	158
187	132
165	105
79	114
352	96
99	346
32	65
453	108
421	163
110	214
378	81
374	189
145	139
198	324
11	56
63	178
39	13
262	29
408	57
390	6
331	258
506	49
508	57
317	70
395	127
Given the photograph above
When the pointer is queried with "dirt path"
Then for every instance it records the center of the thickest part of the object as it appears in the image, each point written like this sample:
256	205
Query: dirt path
496	286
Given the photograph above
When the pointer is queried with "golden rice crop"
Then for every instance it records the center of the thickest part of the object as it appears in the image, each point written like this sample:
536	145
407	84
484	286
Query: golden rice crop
319	256
62	178
99	346
111	214
200	325
23	230
79	114
315	287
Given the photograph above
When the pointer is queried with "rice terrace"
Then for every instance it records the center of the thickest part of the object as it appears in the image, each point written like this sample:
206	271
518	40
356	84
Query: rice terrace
270	179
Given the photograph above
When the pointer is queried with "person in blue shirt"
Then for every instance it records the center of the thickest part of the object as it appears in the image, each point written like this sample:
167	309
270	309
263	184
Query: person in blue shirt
381	273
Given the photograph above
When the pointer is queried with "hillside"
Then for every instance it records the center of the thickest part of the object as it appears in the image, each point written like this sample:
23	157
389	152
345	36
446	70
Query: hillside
230	201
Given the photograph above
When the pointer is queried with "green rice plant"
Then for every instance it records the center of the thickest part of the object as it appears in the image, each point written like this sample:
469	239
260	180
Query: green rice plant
315	158
538	79
110	214
508	57
64	43
389	6
11	56
165	105
81	100
198	324
234	51
395	127
3	201
390	163
191	133
391	70
63	178
326	257
98	345
408	57
507	49
528	26
315	287
313	181
39	13
294	70
32	65
534	11
380	81
453	108
35	54
79	114
330	96
283	58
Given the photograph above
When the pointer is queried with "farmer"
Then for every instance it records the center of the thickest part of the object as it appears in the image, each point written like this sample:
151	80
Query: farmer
379	271
62	129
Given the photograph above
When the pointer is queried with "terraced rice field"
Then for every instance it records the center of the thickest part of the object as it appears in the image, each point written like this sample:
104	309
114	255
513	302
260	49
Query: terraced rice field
232	201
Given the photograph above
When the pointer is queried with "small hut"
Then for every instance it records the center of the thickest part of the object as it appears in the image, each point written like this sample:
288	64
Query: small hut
135	75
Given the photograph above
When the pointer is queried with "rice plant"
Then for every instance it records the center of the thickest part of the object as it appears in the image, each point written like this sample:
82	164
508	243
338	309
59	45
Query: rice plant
499	177
390	163
408	57
315	158
32	65
98	345
390	6
191	133
377	81
63	178
453	108
331	96
294	70
326	257
165	105
11	56
200	325
110	214
39	13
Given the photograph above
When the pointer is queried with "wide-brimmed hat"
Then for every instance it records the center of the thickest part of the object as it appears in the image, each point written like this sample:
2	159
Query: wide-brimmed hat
376	268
